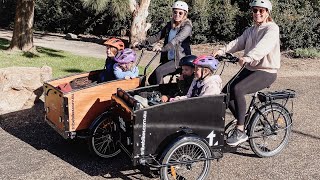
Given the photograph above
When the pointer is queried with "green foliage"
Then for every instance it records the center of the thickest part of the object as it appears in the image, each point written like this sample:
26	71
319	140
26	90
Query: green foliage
200	15
213	20
299	23
307	53
117	8
7	12
159	14
224	19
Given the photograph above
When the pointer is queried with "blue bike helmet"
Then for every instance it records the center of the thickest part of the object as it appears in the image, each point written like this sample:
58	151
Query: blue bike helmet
187	60
207	61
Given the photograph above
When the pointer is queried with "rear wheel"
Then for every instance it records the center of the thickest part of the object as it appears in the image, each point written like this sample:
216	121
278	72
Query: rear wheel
269	134
186	159
103	138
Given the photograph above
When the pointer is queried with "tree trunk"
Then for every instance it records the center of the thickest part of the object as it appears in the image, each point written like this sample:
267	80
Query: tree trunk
22	37
139	26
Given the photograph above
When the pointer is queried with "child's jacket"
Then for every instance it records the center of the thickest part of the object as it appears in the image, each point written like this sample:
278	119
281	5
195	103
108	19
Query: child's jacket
120	74
211	85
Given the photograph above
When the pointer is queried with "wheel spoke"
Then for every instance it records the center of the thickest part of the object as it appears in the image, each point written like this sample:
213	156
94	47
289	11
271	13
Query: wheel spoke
102	140
188	167
269	135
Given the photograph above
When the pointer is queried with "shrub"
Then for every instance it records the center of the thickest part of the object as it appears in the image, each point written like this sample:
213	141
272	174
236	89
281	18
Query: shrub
213	20
299	23
307	53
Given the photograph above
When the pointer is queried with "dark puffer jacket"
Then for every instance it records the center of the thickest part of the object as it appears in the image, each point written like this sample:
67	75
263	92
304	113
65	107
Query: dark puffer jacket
181	42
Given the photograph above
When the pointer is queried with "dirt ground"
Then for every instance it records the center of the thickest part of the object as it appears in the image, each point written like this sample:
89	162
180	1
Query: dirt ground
30	149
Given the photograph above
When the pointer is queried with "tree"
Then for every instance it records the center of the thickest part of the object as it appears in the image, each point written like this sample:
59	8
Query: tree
138	10
22	37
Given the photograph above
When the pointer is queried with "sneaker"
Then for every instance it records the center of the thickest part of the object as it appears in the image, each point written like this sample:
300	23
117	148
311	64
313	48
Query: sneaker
236	138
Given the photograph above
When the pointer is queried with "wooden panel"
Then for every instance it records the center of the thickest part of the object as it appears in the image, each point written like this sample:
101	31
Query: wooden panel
86	104
54	106
67	79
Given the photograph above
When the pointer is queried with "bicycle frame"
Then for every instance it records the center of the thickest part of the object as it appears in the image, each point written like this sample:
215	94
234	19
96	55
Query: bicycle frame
254	106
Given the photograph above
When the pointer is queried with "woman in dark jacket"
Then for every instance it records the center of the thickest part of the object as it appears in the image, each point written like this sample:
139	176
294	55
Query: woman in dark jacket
176	36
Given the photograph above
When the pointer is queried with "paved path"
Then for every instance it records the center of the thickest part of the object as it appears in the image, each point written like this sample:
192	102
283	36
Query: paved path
30	149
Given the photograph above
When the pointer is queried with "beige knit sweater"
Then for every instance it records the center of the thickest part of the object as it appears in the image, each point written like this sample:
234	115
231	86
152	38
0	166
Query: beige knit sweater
261	45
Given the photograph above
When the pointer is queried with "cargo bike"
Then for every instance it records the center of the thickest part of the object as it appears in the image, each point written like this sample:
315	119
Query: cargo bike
74	103
179	139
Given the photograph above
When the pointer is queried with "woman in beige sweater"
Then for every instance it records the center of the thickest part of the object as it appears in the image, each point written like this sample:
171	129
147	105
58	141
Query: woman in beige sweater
261	45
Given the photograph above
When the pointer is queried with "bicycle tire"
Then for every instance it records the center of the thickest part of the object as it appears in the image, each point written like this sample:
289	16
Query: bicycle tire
186	149
270	130
103	138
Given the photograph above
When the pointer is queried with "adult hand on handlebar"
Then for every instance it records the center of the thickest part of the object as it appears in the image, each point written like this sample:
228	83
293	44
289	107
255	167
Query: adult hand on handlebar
241	61
217	53
136	44
156	48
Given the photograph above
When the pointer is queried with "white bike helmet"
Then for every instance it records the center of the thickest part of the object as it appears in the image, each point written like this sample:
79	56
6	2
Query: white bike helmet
180	5
262	3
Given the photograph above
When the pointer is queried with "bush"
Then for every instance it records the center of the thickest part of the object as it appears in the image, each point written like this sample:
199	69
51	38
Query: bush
213	20
299	23
307	53
7	12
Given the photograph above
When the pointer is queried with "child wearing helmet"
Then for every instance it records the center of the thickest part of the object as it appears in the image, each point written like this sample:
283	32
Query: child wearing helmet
113	45
185	79
125	64
205	82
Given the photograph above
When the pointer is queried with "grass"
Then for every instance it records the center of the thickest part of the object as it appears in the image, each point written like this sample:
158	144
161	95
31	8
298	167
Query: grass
307	53
61	62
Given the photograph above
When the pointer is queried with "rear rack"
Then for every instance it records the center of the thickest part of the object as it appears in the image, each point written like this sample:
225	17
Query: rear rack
281	97
269	96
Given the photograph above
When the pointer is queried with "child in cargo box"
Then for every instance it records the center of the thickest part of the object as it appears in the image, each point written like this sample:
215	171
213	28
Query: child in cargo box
125	64
205	82
185	79
113	46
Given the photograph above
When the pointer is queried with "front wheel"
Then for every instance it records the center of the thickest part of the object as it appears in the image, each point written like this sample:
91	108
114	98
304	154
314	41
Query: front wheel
270	130
186	159
103	138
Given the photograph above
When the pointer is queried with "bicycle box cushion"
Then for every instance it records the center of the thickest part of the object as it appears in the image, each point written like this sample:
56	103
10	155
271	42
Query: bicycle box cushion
65	87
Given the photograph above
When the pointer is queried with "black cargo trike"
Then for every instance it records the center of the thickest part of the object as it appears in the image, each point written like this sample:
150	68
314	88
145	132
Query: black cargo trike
179	139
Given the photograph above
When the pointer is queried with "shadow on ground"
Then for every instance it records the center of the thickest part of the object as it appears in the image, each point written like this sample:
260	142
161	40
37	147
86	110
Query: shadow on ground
30	127
4	44
83	38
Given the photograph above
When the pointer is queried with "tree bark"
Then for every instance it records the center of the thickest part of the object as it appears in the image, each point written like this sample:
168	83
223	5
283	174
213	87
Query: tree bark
22	38
139	25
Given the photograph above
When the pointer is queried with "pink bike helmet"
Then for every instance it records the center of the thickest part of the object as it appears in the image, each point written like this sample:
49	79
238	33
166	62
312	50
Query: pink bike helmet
125	56
207	61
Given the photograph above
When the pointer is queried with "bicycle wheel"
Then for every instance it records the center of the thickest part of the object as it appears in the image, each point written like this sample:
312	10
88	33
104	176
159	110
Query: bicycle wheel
229	128
103	138
183	160
269	136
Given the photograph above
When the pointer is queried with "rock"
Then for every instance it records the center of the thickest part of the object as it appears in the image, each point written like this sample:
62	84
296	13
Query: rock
71	36
21	87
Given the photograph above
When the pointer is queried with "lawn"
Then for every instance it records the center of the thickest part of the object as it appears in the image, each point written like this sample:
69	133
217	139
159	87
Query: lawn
61	62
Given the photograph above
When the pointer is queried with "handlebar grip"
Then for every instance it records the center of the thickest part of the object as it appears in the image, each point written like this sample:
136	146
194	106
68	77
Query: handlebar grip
228	58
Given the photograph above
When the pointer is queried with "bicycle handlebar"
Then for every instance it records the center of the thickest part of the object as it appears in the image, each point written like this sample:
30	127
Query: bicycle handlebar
141	47
228	58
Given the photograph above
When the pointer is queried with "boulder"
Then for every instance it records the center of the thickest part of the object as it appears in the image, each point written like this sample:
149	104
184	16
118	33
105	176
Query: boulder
21	87
71	36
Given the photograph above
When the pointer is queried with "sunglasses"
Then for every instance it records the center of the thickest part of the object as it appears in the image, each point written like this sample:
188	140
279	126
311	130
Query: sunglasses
178	12
261	11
